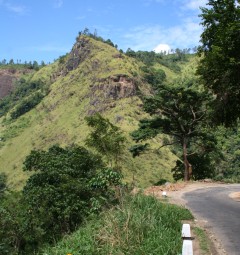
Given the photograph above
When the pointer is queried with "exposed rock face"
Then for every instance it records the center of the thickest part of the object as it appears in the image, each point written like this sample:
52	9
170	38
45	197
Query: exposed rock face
119	87
109	90
79	53
115	87
7	79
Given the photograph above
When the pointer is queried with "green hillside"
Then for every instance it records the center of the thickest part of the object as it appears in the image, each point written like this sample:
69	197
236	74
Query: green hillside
93	77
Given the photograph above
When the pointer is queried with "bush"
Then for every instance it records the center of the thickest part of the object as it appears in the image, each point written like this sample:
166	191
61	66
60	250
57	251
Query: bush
27	105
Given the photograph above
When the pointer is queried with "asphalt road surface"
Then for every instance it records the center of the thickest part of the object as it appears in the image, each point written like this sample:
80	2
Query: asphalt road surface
221	213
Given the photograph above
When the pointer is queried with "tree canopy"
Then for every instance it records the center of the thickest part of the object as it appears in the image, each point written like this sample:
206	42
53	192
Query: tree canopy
178	111
220	63
106	138
65	187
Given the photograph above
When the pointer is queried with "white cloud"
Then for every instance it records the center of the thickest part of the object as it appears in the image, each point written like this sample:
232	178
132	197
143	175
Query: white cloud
193	5
185	35
58	3
18	9
162	48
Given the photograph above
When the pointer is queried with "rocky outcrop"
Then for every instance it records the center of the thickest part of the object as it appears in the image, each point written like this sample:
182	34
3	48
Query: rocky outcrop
6	84
115	87
119	86
78	54
104	93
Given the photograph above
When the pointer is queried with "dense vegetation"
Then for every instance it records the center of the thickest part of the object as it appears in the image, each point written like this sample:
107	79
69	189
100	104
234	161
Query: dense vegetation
26	95
180	112
138	225
68	184
219	67
168	60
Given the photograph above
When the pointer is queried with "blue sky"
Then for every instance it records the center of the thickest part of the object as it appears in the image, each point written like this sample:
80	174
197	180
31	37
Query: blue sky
46	29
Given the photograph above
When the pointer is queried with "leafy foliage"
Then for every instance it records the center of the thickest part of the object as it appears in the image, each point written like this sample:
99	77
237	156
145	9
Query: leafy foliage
20	94
13	223
3	184
151	58
220	65
68	184
203	167
178	111
155	77
228	164
27	104
137	149
105	138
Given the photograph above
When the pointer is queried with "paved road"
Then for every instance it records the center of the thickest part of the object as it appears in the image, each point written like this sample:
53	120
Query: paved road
221	213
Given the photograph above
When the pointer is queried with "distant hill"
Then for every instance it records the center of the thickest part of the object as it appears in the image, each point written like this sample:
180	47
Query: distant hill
93	77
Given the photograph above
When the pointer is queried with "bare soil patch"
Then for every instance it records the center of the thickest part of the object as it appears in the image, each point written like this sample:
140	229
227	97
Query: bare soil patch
235	196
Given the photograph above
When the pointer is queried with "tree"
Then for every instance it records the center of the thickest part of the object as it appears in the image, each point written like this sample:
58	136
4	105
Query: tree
153	76
229	162
35	66
13	224
105	138
3	183
67	184
179	112
220	65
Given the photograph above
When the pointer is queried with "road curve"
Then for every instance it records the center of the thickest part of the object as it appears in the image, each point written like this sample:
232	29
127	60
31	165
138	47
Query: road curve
221	213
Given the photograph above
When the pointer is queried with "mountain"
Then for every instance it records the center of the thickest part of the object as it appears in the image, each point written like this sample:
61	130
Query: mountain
93	77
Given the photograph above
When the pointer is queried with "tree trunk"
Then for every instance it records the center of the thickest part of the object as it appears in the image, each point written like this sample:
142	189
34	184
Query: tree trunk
187	166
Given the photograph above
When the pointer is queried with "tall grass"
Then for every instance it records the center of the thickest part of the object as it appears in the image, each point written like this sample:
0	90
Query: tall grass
140	225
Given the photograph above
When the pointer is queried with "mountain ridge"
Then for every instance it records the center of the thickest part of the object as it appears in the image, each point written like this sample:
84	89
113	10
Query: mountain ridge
93	77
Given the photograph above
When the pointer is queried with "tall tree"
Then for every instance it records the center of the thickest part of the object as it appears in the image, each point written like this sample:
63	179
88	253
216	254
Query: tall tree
220	65
179	112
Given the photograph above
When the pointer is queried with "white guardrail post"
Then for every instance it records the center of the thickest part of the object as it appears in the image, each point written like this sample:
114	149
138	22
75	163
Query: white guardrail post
187	248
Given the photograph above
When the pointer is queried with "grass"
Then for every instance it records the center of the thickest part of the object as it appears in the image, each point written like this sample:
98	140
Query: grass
139	225
203	240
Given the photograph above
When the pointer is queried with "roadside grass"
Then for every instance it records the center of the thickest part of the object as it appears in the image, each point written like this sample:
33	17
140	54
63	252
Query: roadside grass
139	225
203	240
